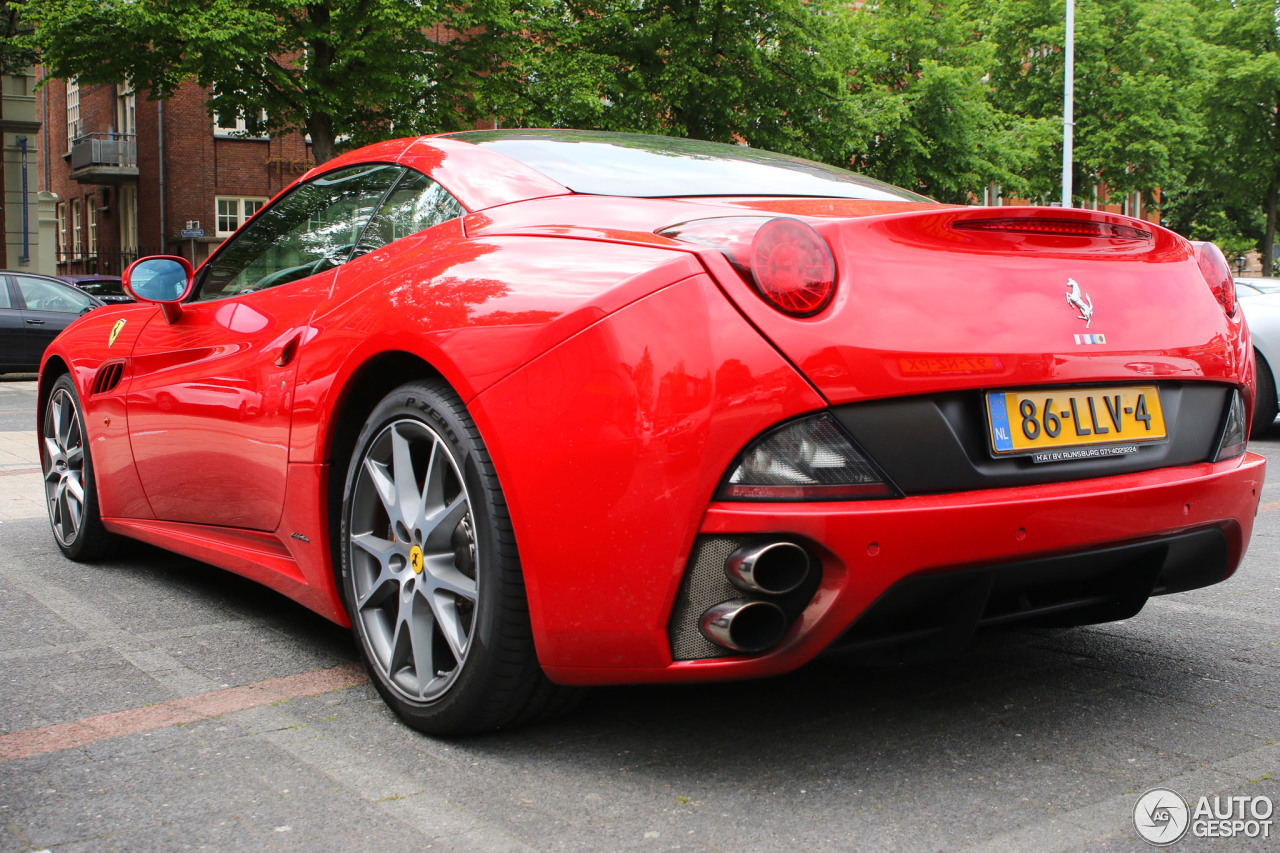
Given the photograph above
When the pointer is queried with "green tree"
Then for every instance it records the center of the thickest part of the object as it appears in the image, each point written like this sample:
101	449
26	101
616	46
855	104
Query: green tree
355	69
1138	70
947	138
771	73
1236	179
15	55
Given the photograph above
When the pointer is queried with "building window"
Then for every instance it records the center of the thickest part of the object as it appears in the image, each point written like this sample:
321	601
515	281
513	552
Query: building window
75	228
62	231
254	127
73	112
92	216
129	219
127	109
231	212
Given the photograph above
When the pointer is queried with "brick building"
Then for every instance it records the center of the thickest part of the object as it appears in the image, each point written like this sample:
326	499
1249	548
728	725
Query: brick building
131	174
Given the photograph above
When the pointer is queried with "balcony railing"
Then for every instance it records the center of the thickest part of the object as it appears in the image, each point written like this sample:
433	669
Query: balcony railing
104	158
99	263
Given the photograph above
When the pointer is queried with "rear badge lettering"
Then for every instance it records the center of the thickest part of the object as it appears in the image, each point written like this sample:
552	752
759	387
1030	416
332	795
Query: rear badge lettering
115	333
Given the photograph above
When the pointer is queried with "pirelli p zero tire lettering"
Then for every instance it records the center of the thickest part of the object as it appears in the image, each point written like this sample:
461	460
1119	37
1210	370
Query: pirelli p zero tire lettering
430	573
1265	407
70	489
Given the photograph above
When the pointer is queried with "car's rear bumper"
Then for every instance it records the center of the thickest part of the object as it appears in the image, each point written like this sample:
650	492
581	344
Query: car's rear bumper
1166	523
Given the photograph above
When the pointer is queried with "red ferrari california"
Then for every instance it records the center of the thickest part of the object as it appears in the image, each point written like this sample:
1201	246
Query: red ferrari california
532	410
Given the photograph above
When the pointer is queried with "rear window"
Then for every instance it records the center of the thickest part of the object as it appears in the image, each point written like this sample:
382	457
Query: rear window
639	166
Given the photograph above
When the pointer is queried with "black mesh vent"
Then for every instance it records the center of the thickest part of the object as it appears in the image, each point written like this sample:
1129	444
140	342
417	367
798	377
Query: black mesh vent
109	376
704	585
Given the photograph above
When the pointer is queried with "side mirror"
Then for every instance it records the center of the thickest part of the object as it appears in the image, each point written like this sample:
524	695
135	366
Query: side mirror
162	279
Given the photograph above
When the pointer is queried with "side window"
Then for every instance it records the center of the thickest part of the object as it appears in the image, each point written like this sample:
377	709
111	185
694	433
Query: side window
310	230
4	294
45	296
414	205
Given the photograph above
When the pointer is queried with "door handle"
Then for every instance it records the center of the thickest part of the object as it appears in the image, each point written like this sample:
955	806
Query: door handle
31	322
290	350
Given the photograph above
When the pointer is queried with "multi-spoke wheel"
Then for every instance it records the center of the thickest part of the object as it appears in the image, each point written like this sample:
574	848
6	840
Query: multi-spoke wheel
68	476
413	558
430	574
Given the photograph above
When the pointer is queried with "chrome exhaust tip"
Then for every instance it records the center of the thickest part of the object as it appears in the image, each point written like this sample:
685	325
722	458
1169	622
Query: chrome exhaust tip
775	568
744	626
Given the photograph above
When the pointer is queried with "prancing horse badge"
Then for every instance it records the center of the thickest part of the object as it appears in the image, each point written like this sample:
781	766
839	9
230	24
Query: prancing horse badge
115	333
1080	301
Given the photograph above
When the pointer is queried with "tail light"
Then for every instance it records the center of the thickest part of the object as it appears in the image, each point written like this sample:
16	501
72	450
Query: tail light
787	262
808	459
1047	227
1217	274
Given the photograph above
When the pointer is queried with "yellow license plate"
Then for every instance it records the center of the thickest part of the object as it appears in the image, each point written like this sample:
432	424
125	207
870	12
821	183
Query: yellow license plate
1050	419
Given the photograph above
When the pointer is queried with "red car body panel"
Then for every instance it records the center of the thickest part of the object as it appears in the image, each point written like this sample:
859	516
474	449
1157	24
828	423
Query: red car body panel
198	385
658	411
616	375
963	530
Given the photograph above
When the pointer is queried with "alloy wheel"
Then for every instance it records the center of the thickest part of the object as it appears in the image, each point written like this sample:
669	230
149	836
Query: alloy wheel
64	480
413	556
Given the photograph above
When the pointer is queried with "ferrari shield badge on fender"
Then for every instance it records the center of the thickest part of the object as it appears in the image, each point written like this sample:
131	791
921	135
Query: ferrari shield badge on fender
115	333
1080	301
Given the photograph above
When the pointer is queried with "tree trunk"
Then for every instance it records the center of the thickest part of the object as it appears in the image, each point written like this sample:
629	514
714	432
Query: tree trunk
323	146
1269	235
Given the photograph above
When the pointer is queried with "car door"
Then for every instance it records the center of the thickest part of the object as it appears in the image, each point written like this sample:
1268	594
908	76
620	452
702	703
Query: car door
210	401
12	337
48	307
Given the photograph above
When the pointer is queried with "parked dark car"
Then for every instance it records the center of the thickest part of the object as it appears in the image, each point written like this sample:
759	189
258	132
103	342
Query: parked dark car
33	310
108	288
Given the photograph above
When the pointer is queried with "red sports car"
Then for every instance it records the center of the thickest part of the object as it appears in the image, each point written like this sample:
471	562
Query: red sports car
539	409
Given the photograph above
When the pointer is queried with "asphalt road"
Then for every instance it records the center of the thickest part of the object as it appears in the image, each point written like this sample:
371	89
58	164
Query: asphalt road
154	703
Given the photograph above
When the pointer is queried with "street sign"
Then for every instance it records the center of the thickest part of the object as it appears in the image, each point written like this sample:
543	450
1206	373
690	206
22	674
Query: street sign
192	233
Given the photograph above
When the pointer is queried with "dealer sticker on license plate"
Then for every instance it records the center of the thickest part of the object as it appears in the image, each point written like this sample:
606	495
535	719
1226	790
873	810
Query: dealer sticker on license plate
1061	424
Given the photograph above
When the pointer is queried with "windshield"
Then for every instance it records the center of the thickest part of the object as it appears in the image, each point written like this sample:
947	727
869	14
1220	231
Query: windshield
639	166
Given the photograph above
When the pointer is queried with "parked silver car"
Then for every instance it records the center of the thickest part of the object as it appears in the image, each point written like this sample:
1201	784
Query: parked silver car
1260	299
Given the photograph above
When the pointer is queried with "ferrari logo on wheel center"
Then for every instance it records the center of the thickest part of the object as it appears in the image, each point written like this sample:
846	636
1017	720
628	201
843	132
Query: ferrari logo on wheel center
415	559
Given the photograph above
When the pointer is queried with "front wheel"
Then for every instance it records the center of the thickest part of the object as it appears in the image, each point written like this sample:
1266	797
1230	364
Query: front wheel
1265	407
430	573
69	487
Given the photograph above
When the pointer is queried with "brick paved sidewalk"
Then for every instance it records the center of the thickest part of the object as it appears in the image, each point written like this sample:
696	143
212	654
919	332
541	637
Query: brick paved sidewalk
21	490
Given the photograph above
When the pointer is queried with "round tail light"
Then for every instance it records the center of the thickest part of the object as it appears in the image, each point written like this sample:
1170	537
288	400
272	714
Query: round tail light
793	267
1217	274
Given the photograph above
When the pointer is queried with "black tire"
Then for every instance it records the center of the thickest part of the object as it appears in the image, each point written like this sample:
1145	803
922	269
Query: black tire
67	466
444	593
1265	407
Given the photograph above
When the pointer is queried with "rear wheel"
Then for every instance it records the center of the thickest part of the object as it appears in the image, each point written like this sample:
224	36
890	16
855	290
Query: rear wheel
430	573
1265	407
69	486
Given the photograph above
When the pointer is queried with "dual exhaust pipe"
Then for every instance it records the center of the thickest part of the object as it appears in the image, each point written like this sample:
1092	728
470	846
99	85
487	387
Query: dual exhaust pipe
751	625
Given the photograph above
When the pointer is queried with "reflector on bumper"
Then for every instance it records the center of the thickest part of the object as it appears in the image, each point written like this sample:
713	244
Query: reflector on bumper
1234	433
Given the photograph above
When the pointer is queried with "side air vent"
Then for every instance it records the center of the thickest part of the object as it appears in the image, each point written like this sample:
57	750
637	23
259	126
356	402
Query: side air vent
109	376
